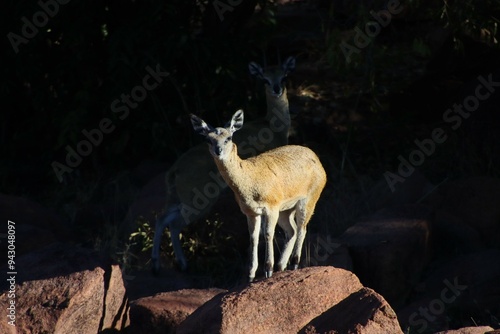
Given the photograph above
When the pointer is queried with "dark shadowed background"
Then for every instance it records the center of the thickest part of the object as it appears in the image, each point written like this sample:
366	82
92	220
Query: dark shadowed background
96	97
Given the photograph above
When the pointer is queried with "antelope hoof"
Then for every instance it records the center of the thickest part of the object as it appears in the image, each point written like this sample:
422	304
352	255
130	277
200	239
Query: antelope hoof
269	273
295	267
250	279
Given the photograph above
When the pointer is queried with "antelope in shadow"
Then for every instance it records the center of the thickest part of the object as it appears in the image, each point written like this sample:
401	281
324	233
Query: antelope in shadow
193	182
281	185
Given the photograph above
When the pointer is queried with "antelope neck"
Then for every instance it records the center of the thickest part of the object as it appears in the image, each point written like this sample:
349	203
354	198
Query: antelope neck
231	168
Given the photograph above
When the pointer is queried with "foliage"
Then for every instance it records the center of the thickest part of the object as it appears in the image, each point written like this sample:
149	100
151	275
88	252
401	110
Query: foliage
478	19
210	251
143	235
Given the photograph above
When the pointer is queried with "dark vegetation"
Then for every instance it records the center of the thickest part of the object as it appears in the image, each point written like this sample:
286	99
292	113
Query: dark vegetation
358	115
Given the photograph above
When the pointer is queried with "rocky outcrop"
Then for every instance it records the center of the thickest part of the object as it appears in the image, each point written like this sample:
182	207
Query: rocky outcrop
64	289
473	202
363	312
35	225
163	312
469	330
466	285
293	301
390	250
143	283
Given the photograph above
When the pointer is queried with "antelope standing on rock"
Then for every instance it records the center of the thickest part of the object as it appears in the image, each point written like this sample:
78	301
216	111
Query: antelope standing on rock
195	169
281	185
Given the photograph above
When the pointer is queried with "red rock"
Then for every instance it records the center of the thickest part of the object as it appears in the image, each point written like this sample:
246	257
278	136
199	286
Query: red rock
469	285
141	283
390	250
285	303
65	289
475	202
36	225
32	237
468	330
165	311
363	312
116	307
25	211
453	235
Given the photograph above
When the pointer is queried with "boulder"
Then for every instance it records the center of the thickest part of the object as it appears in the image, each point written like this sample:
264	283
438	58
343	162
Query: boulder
289	302
33	237
467	285
363	312
23	210
36	225
453	236
63	289
116	306
468	330
390	250
141	283
475	202
162	313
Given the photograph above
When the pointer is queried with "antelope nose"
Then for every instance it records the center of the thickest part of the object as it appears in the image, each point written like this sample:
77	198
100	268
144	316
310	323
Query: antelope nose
217	150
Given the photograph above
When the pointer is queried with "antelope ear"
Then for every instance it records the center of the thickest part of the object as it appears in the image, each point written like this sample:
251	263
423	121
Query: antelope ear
289	65
236	122
200	126
256	70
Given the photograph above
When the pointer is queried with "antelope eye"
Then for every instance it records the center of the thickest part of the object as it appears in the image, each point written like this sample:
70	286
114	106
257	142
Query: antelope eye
227	140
